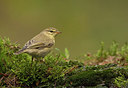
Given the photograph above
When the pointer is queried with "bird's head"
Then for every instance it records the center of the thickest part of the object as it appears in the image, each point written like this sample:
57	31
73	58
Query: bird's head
51	31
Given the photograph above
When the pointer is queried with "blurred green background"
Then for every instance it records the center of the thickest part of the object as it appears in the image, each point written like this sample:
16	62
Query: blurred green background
84	23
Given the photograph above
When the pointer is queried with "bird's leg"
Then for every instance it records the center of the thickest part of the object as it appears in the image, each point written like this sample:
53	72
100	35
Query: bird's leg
41	60
32	58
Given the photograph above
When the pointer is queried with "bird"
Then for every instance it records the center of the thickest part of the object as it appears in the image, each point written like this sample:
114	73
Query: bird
41	44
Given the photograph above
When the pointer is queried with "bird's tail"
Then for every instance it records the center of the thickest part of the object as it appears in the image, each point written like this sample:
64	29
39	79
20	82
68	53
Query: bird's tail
19	52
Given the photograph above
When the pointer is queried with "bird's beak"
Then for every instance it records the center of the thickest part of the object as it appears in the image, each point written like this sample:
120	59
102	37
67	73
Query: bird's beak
58	32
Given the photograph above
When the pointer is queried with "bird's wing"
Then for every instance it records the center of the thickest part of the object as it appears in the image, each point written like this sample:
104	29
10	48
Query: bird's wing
35	45
29	43
41	46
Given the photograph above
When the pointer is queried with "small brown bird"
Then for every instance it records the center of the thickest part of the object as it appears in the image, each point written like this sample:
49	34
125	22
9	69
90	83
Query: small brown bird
41	44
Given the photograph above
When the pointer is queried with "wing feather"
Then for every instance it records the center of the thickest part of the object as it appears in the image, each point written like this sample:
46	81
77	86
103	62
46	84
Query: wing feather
41	46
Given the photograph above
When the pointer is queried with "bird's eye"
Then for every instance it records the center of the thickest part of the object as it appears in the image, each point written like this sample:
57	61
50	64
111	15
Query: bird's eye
51	31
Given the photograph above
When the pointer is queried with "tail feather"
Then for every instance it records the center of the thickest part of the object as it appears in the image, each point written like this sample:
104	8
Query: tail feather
19	52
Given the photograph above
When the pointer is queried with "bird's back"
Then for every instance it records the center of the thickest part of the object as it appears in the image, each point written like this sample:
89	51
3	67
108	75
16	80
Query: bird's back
40	38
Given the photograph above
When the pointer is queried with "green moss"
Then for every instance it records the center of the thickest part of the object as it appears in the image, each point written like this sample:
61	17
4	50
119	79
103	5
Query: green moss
97	76
54	71
121	82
